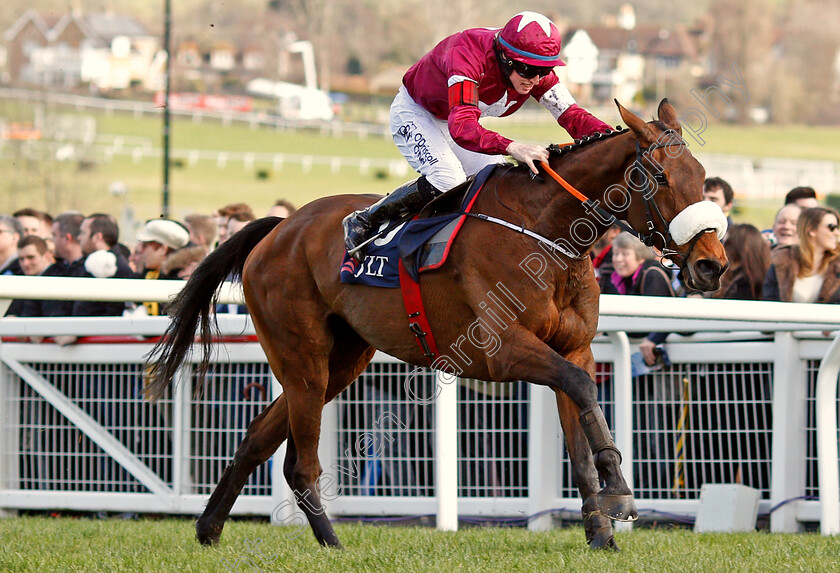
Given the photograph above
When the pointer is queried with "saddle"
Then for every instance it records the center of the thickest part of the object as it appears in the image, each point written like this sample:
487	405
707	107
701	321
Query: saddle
452	200
408	248
423	243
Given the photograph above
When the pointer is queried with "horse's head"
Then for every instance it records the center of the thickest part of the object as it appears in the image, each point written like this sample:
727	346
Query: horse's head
665	183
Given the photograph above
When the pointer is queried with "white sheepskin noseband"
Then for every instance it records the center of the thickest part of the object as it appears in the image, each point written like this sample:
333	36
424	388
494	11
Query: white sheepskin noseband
696	218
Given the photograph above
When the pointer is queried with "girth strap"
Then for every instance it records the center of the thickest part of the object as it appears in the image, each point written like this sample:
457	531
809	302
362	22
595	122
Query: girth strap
418	322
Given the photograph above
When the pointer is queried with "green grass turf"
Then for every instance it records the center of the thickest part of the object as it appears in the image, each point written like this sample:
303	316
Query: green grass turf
46	544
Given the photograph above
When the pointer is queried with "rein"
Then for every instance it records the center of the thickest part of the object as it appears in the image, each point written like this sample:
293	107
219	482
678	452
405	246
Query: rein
653	235
649	239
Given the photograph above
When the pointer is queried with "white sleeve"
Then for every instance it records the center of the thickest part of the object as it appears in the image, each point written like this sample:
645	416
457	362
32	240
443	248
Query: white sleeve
557	100
457	80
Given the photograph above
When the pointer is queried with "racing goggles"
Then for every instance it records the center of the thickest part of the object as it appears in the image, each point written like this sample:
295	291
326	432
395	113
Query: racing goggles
527	71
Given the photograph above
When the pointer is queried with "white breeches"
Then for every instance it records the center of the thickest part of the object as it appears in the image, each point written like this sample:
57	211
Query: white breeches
425	142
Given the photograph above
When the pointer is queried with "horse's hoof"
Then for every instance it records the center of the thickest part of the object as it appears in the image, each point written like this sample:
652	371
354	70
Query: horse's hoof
207	540
618	507
606	542
208	536
330	541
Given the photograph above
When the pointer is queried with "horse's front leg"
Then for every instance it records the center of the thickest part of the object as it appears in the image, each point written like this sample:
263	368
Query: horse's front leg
525	357
616	499
598	527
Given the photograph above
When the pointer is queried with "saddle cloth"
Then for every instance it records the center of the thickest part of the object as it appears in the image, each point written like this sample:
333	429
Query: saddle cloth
423	243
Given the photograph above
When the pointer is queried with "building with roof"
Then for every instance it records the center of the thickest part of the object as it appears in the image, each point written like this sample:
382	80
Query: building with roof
623	60
106	51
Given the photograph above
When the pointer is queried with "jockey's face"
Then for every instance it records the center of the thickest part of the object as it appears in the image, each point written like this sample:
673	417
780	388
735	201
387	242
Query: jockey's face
523	86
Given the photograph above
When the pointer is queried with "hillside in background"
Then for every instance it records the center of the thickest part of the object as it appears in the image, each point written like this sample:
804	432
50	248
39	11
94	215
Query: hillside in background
357	24
483	13
787	51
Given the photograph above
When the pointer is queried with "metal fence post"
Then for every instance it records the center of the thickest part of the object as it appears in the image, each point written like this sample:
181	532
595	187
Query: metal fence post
181	426
623	409
9	432
827	455
543	452
788	471
446	451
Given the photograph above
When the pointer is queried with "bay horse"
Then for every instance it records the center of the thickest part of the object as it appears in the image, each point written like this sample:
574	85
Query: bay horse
320	334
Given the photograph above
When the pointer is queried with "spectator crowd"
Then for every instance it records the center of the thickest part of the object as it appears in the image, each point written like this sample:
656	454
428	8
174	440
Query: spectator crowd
795	260
683	434
72	244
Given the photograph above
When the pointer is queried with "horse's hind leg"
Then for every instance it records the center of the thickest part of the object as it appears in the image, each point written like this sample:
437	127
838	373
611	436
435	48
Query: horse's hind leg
348	358
265	434
270	429
305	386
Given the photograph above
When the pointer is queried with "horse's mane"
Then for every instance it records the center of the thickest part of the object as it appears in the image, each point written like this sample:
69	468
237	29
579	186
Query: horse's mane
561	150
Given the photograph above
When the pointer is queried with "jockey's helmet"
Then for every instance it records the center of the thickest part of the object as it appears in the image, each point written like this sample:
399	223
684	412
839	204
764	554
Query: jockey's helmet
530	40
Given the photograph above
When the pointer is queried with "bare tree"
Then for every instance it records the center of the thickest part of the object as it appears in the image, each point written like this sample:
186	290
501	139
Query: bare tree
809	46
742	40
316	19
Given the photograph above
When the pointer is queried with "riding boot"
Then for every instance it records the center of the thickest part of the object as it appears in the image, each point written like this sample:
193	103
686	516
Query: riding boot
359	225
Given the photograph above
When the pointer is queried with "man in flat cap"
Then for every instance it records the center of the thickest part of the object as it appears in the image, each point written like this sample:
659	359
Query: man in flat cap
157	239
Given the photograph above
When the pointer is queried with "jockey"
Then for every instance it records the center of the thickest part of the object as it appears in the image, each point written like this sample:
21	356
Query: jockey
434	117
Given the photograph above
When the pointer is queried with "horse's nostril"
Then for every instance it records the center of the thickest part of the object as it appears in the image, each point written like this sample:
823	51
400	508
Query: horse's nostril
708	268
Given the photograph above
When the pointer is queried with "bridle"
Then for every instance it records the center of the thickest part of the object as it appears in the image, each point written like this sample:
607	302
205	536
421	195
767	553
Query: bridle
640	179
640	182
653	238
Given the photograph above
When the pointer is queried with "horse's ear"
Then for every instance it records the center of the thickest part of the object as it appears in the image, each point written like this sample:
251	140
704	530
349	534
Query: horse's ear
668	115
643	132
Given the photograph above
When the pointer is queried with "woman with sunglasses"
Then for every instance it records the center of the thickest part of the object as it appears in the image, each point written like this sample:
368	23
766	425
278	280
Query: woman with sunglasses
810	271
475	73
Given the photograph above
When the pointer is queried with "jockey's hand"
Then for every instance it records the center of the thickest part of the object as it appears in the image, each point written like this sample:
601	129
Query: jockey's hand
527	154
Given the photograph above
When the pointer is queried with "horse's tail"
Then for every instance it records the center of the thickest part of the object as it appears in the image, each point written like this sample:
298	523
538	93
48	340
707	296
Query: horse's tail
193	307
